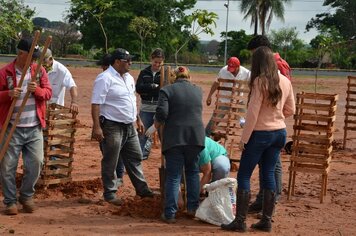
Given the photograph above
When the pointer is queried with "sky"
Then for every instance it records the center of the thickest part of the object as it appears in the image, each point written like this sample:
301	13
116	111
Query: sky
297	14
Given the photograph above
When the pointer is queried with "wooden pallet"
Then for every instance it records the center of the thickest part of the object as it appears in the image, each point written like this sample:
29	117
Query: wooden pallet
350	107
58	145
314	122
230	106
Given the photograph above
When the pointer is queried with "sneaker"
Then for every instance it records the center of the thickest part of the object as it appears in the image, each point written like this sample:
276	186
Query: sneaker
147	193
11	209
115	202
27	205
168	221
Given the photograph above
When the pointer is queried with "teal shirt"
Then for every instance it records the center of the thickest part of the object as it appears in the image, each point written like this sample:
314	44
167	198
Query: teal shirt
211	151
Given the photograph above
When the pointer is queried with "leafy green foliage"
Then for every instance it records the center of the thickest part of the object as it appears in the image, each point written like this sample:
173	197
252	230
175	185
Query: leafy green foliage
14	19
343	19
237	42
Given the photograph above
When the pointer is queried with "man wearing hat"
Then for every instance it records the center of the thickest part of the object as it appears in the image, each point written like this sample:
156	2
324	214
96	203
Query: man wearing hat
233	70
27	137
61	79
114	113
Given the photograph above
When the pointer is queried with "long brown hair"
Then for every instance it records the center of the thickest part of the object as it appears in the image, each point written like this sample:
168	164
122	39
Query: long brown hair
264	68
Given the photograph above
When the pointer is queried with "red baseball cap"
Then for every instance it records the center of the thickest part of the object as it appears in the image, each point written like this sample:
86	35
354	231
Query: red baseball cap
232	64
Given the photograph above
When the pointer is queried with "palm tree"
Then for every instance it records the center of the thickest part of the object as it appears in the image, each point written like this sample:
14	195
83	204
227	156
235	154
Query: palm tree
250	9
262	11
267	9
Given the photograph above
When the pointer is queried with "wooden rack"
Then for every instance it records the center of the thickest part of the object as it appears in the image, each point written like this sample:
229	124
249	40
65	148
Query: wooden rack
230	106
350	113
58	145
312	138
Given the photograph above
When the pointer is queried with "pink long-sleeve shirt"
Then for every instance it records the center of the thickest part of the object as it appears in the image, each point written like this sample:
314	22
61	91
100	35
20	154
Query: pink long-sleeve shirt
261	116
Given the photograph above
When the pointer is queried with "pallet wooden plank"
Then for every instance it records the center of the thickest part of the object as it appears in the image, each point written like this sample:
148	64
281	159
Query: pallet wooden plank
315	117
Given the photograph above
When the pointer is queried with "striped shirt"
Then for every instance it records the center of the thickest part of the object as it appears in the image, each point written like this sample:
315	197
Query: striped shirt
28	117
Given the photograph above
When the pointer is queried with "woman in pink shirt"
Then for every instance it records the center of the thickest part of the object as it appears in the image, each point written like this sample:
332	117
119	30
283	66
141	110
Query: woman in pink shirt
271	100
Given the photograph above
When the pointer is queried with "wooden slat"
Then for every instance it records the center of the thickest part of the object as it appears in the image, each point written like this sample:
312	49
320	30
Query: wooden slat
315	117
310	160
314	127
59	151
62	122
50	132
350	128
311	169
317	107
318	96
350	107
61	170
61	140
322	139
54	181
350	114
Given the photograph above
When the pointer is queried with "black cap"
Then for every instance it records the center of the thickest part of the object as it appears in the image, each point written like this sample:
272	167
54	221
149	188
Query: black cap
120	54
25	44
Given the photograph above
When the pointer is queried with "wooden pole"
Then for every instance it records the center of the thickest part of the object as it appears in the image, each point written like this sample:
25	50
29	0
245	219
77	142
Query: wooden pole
22	107
27	65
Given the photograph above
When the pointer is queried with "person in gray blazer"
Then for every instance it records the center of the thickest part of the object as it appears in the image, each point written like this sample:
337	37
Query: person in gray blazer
179	114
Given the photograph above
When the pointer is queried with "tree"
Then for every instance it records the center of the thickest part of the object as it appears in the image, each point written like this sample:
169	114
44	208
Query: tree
262	11
200	21
115	21
267	9
250	9
237	41
324	43
14	19
284	38
97	9
144	28
343	18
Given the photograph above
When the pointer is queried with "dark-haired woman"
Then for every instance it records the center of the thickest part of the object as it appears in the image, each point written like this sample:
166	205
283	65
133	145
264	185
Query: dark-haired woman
179	112
148	85
271	100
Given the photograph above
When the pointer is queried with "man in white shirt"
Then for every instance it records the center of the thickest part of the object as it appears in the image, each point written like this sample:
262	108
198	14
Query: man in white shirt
61	79
233	70
114	113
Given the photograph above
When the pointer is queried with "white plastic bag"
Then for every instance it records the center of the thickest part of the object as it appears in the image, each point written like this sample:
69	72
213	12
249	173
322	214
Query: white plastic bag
220	206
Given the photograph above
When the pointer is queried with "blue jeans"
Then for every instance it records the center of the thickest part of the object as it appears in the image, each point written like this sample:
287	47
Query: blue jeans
29	141
147	120
263	147
220	167
120	140
278	178
176	159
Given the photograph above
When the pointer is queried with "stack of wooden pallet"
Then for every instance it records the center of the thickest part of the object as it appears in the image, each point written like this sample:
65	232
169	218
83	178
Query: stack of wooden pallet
58	145
314	123
230	107
350	107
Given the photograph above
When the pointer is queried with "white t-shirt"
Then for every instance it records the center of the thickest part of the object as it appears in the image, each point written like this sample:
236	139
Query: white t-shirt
244	74
116	96
60	79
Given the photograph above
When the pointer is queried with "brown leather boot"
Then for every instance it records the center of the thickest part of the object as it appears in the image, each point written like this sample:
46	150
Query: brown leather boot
239	224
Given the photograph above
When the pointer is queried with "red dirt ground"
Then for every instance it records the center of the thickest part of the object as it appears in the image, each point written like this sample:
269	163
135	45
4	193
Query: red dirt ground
77	208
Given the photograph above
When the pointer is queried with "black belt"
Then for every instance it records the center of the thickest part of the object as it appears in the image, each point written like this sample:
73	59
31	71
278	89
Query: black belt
102	119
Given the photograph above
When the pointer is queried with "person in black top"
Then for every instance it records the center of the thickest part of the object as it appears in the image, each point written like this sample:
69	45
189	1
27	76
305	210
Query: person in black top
179	114
148	86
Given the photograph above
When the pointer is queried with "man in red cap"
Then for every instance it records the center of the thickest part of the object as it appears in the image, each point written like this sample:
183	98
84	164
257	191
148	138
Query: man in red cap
233	70
27	137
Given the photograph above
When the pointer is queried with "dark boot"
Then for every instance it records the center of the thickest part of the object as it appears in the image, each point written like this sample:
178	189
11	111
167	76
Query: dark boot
265	224
239	224
256	206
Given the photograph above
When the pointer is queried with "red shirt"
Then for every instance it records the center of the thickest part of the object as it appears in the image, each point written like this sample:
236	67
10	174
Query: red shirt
283	66
8	81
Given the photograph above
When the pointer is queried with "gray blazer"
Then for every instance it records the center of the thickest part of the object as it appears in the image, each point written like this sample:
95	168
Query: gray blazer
180	110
